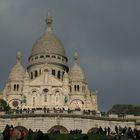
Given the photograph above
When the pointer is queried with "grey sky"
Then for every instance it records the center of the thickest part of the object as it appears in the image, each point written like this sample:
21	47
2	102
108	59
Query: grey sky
106	34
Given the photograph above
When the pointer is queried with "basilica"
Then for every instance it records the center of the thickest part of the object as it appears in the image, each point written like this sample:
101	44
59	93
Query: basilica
48	81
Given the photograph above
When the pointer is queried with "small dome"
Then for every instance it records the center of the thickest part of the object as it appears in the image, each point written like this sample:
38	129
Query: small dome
76	73
18	71
48	42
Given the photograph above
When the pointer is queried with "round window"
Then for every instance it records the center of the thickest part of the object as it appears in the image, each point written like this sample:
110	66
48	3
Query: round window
45	90
15	103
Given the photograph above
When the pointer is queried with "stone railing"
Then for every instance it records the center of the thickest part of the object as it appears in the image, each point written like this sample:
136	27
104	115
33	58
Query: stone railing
69	112
52	111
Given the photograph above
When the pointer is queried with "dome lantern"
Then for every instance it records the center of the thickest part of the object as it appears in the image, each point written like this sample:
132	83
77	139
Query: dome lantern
75	56
18	57
49	21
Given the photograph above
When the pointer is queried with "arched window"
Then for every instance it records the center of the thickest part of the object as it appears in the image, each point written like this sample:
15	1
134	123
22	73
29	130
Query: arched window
17	87
70	88
75	87
53	72
47	56
62	74
45	94
14	87
59	74
31	75
59	57
36	73
42	56
53	56
36	57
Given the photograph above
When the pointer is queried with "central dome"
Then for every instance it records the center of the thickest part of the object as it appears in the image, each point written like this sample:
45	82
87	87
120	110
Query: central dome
48	49
48	43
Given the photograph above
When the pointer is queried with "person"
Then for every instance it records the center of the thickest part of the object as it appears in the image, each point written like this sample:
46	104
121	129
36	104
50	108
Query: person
116	130
1	136
108	130
39	135
6	133
11	130
29	135
22	134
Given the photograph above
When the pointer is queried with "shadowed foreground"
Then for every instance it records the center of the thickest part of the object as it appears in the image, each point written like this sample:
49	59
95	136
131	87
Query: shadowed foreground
70	137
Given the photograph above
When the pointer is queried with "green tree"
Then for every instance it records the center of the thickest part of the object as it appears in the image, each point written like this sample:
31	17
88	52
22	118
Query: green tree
125	109
4	106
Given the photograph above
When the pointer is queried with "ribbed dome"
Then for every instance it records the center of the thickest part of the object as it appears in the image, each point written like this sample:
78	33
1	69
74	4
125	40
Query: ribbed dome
48	42
18	71
76	73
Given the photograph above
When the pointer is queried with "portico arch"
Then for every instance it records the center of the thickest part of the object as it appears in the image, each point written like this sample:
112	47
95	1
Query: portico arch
21	128
58	129
93	130
76	104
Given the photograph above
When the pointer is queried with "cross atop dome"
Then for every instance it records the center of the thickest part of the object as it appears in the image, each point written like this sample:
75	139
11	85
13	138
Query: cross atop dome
75	56
18	57
49	21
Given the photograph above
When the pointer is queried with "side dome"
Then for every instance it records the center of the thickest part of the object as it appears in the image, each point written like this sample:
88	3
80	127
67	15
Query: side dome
76	73
48	42
18	71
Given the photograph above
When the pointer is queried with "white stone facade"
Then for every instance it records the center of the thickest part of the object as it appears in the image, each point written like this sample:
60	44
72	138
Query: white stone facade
47	80
47	122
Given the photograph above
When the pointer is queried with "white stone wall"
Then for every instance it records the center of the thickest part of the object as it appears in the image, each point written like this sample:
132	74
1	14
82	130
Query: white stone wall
70	123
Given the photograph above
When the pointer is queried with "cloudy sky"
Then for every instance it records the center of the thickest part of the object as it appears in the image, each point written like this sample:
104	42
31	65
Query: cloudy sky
105	33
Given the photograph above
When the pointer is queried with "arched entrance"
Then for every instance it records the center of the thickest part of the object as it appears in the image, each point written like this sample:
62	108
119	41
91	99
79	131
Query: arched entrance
17	128
93	130
58	129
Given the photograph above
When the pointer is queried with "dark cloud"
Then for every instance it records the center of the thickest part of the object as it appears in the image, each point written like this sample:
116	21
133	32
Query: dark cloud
105	34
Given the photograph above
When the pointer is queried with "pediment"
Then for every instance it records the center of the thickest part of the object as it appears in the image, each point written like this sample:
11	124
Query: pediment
46	79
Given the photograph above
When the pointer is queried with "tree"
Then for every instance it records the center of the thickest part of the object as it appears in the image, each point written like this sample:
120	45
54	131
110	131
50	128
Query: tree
125	109
4	106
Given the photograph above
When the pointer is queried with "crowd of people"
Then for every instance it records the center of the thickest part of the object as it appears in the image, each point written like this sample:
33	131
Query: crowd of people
76	131
10	132
48	110
21	134
118	132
